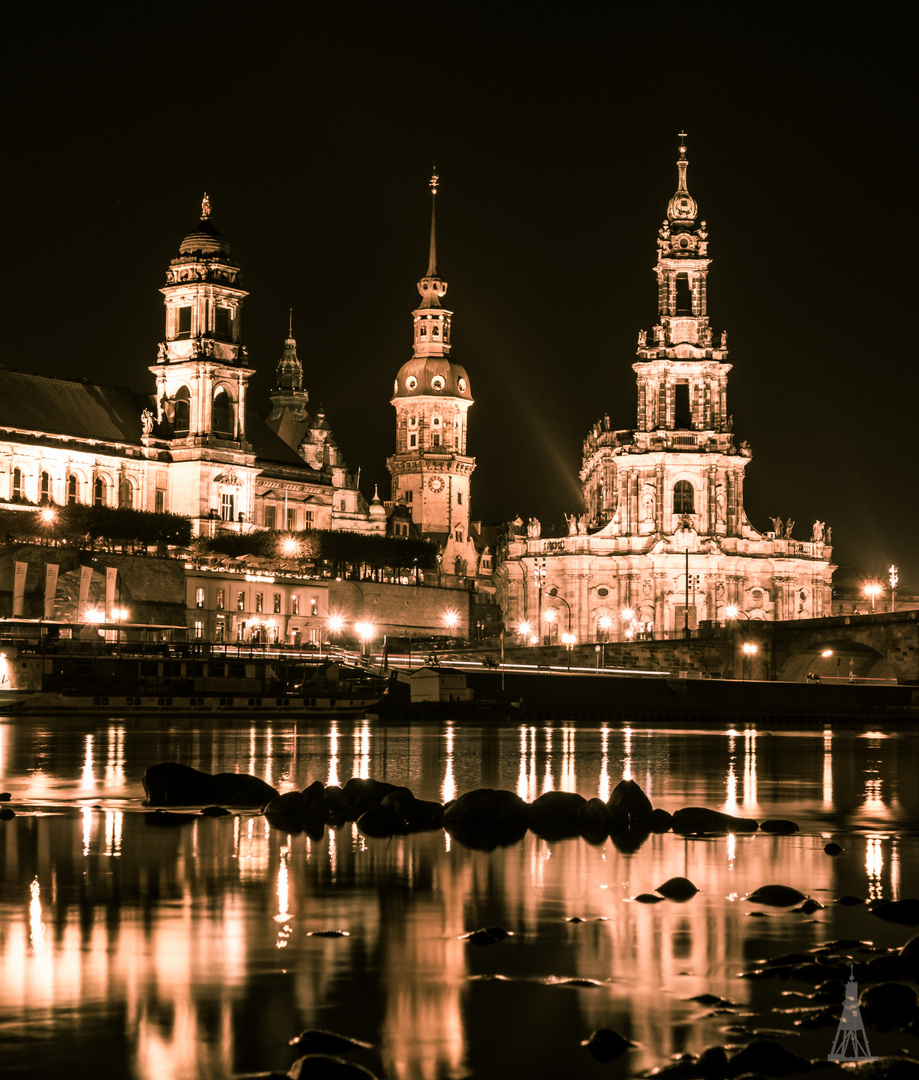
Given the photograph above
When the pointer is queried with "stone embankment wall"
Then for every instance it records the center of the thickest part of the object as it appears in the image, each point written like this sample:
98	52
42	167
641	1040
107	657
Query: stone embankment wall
401	610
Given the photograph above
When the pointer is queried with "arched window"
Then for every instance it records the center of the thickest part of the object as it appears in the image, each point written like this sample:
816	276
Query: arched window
126	494
222	414
683	498
99	491
45	487
72	489
182	414
17	483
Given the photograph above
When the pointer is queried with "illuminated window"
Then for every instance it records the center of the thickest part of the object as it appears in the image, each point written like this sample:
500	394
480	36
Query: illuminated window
259	601
223	322
17	483
295	604
314	605
222	414
221	599
241	601
72	489
199	597
683	500
181	412
126	493
227	506
199	629
277	603
269	516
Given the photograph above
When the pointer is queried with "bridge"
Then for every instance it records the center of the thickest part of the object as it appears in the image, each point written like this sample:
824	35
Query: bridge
884	644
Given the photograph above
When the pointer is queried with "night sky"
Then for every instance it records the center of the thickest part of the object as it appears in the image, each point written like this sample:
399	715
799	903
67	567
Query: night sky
555	140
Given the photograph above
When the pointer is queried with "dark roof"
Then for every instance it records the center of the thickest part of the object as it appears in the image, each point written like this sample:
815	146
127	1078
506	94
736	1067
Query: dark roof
271	448
78	410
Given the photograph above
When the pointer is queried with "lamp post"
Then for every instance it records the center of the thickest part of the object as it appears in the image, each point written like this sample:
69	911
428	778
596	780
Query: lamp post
750	649
451	620
568	641
894	578
872	590
554	592
539	578
336	625
732	613
604	624
365	632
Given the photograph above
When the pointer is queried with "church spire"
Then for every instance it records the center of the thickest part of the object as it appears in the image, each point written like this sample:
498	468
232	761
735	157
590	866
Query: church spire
432	286
432	259
290	370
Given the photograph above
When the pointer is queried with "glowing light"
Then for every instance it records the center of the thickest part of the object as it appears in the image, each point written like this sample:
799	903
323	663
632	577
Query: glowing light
731	611
451	620
94	615
524	629
290	547
605	622
827	653
750	648
872	590
364	630
336	624
47	516
549	615
628	614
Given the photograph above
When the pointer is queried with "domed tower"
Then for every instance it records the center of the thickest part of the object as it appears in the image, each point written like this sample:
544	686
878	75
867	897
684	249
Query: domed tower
430	469
201	373
202	380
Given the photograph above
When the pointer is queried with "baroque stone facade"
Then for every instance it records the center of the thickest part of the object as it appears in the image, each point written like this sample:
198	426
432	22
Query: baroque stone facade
195	446
664	542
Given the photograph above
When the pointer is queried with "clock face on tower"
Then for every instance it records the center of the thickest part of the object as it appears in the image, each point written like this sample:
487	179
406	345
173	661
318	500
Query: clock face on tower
436	483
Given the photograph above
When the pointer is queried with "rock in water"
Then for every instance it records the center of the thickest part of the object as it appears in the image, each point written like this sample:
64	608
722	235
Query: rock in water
607	1045
328	1067
680	889
776	896
319	1041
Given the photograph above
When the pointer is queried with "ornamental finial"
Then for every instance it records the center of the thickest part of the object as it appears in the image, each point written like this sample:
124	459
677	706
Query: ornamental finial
290	325
205	207
433	183
682	138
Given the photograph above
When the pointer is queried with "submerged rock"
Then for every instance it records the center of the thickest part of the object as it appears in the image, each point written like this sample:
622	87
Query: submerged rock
173	784
320	1041
486	818
776	896
680	889
606	1045
328	1067
554	815
699	819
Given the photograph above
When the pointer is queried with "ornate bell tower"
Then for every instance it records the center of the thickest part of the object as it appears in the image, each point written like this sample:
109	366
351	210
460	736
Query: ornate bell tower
201	383
201	372
430	469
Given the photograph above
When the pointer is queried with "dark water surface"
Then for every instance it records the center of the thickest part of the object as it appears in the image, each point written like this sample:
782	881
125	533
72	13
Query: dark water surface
172	954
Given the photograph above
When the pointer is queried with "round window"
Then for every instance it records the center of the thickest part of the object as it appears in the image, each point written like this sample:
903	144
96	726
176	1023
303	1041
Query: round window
461	383
602	592
438	382
411	382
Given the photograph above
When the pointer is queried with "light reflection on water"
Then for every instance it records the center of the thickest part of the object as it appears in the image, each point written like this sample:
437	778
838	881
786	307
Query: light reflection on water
192	951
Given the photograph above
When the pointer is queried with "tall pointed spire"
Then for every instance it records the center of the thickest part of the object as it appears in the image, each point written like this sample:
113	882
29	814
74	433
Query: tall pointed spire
290	370
432	286
432	259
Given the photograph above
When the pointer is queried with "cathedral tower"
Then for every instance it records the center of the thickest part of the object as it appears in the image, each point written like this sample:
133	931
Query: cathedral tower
430	469
665	543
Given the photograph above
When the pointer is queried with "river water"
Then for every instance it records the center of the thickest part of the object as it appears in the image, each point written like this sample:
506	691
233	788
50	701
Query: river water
133	951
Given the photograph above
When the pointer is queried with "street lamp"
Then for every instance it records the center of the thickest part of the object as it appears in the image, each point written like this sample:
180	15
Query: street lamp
539	579
336	625
365	633
451	620
524	630
894	578
605	624
872	590
549	617
568	640
750	649
554	592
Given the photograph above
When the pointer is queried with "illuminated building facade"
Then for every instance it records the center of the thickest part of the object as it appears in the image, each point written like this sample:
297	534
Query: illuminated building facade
430	469
665	543
195	446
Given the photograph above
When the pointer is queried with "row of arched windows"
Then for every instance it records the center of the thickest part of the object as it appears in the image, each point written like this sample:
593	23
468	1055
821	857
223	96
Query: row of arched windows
101	488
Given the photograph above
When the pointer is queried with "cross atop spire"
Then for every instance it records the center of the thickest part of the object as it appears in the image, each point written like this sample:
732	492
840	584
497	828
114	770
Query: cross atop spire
682	206
205	207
